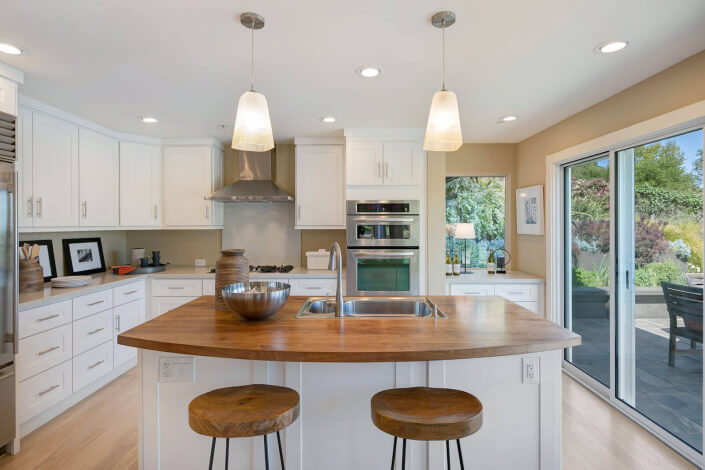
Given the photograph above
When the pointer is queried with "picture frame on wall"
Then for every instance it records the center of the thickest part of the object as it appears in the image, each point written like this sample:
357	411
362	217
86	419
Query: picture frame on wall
530	210
46	257
83	256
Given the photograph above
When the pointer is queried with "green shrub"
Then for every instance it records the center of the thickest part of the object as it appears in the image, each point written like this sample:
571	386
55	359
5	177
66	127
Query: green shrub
599	276
692	234
651	275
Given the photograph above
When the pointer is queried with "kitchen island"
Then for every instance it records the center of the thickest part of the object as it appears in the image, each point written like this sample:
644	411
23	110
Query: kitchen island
337	365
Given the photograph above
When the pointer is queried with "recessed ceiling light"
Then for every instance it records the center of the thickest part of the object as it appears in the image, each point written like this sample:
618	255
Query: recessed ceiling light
149	120
509	118
369	72
610	47
10	49
328	119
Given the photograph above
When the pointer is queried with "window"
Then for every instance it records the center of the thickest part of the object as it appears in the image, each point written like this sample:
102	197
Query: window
481	201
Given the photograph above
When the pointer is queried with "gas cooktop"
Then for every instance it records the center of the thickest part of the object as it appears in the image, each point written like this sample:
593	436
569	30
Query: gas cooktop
270	268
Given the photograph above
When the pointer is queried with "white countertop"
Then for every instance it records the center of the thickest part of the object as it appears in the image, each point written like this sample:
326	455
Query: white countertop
480	276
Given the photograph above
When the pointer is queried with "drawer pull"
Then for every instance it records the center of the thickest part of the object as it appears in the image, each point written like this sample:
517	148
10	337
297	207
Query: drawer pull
473	292
47	351
312	288
96	303
97	330
49	317
176	287
44	392
130	292
517	292
93	366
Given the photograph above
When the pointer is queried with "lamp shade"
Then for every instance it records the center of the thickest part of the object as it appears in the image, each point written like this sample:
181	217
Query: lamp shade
443	132
253	129
464	231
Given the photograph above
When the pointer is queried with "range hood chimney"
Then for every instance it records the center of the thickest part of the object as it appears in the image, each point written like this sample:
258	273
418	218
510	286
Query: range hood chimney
255	182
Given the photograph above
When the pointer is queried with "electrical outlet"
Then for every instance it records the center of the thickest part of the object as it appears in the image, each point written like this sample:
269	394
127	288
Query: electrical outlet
530	370
176	369
200	262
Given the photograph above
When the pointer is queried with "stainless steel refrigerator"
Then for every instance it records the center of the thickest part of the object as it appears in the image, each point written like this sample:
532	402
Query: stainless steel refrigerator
8	277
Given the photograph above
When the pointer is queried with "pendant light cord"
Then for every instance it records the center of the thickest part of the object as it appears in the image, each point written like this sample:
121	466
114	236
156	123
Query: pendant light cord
443	60
252	57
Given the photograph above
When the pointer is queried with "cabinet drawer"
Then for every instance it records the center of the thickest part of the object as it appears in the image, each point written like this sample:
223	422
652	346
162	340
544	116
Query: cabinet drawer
92	365
310	287
161	305
472	289
36	320
92	303
209	287
128	293
518	292
530	306
91	331
43	351
177	287
44	391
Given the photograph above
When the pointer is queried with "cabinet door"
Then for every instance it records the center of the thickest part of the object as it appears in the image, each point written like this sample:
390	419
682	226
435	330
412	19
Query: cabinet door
320	188
55	171
364	163
8	96
99	179
25	206
127	316
402	163
217	207
187	179
140	184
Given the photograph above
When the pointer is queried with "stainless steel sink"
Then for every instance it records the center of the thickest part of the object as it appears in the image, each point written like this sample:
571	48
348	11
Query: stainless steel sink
370	307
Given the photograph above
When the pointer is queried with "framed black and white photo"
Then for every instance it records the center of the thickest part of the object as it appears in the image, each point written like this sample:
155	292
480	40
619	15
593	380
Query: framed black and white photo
530	210
83	256
46	257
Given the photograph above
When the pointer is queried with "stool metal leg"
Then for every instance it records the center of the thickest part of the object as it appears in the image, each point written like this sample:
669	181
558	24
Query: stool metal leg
448	454
210	464
403	454
281	455
227	452
266	453
460	455
394	451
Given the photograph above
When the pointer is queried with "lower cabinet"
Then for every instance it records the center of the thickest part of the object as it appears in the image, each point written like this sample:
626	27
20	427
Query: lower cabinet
312	287
161	305
43	391
127	316
529	296
92	365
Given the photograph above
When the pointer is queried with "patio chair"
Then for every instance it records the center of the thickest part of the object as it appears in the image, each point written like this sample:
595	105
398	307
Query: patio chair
685	302
695	279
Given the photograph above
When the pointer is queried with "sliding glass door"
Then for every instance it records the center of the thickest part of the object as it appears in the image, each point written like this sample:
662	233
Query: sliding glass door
633	289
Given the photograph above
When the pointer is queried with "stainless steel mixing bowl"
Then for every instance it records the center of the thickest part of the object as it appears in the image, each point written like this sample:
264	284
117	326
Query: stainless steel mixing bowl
256	300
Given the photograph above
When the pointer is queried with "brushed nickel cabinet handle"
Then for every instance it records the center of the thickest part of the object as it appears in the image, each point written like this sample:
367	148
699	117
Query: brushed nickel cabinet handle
130	292
47	351
117	326
96	303
175	288
39	207
155	212
84	209
97	330
379	169
48	318
96	364
44	392
29	207
386	169
514	292
207	212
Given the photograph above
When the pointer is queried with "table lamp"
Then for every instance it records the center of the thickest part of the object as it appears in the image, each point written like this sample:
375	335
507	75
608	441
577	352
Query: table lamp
465	232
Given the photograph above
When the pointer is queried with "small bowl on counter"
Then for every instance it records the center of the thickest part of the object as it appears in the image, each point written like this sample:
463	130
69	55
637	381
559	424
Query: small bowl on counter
256	300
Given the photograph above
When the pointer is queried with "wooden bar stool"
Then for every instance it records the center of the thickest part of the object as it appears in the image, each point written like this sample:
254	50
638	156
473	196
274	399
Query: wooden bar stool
426	414
246	411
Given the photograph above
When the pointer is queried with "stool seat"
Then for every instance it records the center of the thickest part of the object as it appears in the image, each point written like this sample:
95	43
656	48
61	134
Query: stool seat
246	411
427	414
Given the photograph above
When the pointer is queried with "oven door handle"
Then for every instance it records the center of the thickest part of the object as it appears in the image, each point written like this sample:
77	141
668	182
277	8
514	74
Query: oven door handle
375	254
382	219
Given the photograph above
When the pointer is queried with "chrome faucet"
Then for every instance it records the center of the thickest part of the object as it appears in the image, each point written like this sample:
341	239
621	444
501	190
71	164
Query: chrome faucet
336	262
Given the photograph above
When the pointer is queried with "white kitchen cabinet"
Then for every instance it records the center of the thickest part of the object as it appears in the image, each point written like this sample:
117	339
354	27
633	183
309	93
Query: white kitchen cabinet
98	179
140	184
44	391
375	163
23	165
92	365
161	305
189	175
320	187
127	316
216	185
54	171
8	96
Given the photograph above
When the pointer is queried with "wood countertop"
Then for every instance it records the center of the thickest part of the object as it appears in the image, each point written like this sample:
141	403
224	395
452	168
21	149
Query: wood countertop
475	327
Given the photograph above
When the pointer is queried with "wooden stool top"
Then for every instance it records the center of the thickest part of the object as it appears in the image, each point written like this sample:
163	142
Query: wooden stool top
249	410
427	414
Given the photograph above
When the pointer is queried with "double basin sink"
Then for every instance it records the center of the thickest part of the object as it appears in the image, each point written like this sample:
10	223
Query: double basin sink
371	307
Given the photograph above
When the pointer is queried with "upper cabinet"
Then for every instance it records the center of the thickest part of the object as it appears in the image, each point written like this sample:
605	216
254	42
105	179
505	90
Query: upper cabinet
140	184
192	172
320	187
8	96
98	163
373	163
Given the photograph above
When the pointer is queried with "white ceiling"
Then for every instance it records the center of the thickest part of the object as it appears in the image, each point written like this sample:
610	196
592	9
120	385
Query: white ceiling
186	62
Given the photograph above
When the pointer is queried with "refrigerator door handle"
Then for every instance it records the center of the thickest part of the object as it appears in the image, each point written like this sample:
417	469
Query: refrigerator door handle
13	251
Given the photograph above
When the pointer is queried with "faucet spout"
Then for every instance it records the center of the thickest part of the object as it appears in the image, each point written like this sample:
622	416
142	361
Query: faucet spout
335	262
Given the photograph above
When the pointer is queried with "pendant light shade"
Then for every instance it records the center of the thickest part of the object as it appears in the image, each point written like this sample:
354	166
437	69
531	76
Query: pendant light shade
253	129
443	132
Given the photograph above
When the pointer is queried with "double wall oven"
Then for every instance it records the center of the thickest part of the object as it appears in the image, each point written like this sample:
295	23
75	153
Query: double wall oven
382	248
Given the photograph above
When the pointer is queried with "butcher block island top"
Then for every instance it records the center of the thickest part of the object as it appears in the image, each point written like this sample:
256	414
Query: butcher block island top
474	327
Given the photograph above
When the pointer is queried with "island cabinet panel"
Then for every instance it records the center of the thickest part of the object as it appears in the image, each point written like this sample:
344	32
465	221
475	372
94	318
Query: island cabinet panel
140	184
320	187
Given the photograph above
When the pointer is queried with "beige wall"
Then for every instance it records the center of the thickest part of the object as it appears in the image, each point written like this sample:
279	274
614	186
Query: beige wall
178	247
673	88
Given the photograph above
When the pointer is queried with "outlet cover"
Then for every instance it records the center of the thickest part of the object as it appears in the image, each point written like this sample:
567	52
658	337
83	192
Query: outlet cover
200	262
176	369
530	370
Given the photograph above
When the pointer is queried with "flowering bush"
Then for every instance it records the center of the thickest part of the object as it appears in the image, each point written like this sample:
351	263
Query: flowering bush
680	249
649	241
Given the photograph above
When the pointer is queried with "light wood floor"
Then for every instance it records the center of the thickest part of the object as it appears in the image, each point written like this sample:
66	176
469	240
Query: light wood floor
100	433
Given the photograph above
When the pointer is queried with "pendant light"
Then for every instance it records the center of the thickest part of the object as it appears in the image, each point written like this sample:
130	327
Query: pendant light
253	128
443	132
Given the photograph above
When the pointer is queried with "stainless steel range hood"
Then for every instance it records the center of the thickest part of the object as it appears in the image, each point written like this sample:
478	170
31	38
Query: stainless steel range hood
255	182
